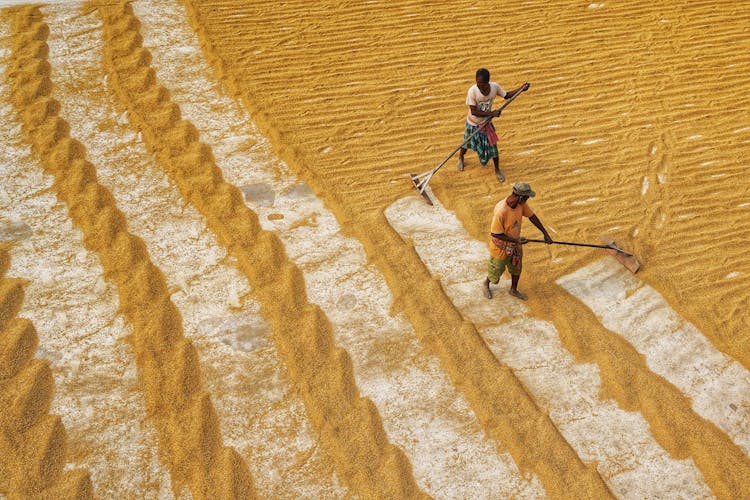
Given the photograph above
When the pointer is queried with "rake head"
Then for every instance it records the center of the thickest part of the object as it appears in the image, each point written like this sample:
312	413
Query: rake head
420	184
625	258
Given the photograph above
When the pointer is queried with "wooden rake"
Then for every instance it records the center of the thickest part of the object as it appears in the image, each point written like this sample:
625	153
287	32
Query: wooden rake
625	258
420	181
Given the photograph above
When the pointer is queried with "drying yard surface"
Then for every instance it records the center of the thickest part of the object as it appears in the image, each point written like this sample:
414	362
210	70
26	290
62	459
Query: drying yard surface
217	281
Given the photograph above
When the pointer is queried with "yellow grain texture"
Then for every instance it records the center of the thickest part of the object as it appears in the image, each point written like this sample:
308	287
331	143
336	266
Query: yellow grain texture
168	368
358	194
349	426
32	442
627	379
635	126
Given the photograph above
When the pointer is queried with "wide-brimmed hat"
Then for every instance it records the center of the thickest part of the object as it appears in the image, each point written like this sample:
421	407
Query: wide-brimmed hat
523	189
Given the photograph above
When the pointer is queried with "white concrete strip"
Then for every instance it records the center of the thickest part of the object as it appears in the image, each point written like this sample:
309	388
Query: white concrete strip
629	460
260	417
74	311
674	348
421	411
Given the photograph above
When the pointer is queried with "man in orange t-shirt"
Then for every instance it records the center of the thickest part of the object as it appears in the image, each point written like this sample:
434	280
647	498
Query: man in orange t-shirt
506	240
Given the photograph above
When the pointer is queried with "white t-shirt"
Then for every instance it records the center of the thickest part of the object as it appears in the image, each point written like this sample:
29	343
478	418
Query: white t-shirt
483	102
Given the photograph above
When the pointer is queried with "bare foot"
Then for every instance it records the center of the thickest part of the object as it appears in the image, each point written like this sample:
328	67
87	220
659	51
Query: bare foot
518	293
486	290
460	164
499	175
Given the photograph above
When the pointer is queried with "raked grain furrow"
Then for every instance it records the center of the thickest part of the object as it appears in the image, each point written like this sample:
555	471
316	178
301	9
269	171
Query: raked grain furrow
80	332
259	414
32	442
717	385
169	371
349	425
637	386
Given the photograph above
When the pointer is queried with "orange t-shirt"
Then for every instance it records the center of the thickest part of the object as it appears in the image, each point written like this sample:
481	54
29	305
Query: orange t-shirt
506	220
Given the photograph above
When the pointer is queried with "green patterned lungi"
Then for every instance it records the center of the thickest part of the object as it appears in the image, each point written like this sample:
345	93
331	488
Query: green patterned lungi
481	143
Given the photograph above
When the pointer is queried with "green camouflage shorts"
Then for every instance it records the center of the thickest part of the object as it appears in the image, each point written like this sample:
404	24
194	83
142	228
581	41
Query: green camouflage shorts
496	268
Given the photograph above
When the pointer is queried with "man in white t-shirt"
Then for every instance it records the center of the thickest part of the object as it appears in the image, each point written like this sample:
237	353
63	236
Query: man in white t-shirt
479	99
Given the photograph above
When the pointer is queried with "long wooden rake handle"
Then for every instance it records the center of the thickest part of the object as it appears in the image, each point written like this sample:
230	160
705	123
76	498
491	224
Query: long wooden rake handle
611	247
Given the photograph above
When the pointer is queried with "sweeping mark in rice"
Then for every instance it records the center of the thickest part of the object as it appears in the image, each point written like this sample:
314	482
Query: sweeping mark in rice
586	201
628	458
674	348
687	216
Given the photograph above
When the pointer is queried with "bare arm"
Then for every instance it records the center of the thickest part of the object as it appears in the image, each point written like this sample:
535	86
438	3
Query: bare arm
535	220
477	112
505	237
522	88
